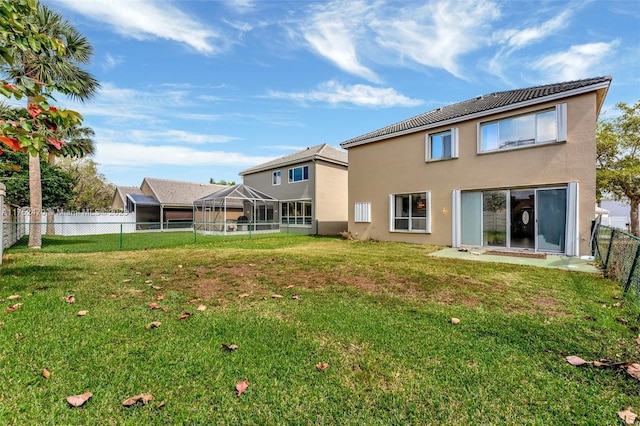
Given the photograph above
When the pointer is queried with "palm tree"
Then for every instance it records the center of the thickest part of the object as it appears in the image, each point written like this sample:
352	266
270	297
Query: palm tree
59	69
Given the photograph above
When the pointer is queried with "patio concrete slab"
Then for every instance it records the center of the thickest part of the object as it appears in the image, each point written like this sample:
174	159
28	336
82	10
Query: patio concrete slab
552	261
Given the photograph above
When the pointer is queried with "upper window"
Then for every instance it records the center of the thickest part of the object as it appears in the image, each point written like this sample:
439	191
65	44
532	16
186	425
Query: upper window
299	174
277	178
524	130
410	212
442	146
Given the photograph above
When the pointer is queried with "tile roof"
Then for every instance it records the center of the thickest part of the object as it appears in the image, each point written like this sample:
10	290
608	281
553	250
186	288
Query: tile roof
480	106
177	192
122	191
318	152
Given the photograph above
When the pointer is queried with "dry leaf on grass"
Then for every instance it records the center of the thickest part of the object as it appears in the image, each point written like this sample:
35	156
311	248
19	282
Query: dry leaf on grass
14	307
290	286
622	320
148	282
154	324
229	347
128	280
243	295
14	297
154	305
628	416
82	313
322	366
160	297
241	387
144	398
161	404
638	339
295	297
156	287
78	400
633	370
45	373
276	296
202	308
184	315
576	360
71	299
455	321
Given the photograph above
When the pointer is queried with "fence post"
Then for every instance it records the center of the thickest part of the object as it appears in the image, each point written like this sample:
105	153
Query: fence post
3	191
633	268
606	262
195	233
121	238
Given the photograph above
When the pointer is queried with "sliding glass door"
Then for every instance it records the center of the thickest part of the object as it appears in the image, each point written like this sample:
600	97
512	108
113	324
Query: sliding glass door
552	219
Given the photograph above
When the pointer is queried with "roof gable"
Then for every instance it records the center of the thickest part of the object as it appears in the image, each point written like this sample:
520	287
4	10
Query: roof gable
482	106
179	192
318	152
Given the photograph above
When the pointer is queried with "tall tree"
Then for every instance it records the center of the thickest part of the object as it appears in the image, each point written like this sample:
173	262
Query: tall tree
618	159
91	189
49	68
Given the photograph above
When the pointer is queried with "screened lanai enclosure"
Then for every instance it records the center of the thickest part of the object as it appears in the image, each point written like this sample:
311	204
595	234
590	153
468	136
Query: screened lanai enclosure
236	209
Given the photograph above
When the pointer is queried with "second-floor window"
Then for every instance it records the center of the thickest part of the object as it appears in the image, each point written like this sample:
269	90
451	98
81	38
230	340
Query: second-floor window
442	146
298	174
277	178
541	127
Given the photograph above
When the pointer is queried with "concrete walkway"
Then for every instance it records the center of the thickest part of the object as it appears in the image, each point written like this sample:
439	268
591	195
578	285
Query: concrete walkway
552	261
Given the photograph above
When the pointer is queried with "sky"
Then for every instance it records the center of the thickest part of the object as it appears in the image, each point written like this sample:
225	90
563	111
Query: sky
194	90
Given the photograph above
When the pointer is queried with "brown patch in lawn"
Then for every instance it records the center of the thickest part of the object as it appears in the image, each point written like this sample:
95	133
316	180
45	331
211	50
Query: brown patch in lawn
539	303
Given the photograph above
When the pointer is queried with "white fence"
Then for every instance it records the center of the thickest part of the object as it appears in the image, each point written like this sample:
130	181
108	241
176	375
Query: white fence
85	223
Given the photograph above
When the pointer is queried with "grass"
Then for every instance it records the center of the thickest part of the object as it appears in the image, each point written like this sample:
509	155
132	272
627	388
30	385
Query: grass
378	313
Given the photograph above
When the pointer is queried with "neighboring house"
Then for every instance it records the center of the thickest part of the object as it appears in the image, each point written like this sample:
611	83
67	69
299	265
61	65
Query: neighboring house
164	203
618	213
508	170
311	186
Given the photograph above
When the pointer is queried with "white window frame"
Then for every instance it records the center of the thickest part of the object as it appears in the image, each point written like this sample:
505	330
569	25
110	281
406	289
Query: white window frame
362	212
454	145
276	178
291	217
561	129
392	216
291	174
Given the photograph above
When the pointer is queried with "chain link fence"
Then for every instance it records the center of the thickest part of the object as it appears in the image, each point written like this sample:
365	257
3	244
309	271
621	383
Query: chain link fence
84	237
619	254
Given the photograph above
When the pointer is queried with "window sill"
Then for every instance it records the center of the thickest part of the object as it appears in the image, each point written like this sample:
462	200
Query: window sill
516	148
404	231
437	160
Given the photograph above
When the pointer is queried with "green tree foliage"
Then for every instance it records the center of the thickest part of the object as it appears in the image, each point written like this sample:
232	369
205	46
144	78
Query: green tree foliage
91	189
221	182
618	158
57	185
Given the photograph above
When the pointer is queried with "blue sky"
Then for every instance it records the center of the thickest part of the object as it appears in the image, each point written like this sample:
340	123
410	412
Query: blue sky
193	90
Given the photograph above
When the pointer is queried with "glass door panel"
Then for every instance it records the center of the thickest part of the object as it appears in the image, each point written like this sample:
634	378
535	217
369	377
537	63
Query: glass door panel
523	219
471	218
552	219
494	218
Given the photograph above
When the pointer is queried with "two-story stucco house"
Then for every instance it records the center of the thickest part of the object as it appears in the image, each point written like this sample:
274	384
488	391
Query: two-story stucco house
311	186
509	170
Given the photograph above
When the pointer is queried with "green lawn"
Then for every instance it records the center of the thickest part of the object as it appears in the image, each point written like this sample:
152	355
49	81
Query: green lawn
378	313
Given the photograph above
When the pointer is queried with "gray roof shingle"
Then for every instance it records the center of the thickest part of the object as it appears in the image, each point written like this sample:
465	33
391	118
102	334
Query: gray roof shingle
481	105
318	152
177	192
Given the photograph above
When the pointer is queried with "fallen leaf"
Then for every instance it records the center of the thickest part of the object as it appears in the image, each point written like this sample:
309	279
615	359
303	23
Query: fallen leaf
184	315
78	400
165	309
154	305
71	299
179	266
455	321
229	347
148	282
622	320
128	280
252	265
14	297
638	339
202	308
628	416
82	313
588	318
290	286
156	287
144	398
45	373
161	404
241	387
14	307
617	304
576	360
160	297
322	366
633	370
196	300
243	295
276	296
94	273
154	324
295	297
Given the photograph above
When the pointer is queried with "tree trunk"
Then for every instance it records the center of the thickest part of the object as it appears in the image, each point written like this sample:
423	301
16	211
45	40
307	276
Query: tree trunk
51	227
633	216
35	203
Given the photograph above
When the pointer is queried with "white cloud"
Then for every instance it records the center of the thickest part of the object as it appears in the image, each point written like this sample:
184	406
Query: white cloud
241	6
129	154
519	38
111	61
577	62
146	20
333	33
362	95
162	136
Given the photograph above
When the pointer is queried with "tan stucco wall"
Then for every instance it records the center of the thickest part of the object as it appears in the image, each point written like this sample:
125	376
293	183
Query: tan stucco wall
285	191
331	203
117	202
398	165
